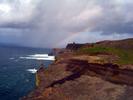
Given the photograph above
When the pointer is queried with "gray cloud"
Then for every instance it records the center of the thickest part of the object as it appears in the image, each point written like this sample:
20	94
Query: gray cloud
48	23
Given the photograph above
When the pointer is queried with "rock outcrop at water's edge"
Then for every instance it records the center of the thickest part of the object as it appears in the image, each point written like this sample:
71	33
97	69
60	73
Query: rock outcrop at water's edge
73	77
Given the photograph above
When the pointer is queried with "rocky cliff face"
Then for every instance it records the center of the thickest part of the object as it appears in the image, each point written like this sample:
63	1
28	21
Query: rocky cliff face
72	79
82	77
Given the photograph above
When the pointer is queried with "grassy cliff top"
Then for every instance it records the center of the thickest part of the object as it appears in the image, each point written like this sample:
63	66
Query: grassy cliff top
124	56
123	49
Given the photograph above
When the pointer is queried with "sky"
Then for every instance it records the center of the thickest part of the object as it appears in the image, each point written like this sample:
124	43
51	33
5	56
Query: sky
54	23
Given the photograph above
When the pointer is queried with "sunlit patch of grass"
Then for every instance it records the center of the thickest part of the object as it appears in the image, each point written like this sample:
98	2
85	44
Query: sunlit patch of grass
125	56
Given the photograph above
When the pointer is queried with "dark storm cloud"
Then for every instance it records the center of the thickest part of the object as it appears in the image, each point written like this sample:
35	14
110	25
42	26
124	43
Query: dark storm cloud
49	23
17	25
117	17
117	27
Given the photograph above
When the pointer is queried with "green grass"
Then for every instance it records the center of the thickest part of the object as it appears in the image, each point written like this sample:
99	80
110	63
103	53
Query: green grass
125	56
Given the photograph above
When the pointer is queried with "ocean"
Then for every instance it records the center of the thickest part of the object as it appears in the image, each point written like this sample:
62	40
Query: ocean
15	79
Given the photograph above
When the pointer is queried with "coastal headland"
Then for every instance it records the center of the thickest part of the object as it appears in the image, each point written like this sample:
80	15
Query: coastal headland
91	71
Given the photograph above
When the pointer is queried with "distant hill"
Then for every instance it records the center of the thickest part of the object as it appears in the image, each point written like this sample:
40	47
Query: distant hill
75	46
123	44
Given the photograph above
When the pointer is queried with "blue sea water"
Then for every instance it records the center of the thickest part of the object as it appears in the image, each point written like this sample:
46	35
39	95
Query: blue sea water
15	80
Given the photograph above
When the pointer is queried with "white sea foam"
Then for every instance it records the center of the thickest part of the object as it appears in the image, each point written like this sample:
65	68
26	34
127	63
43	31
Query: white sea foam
33	71
39	57
11	58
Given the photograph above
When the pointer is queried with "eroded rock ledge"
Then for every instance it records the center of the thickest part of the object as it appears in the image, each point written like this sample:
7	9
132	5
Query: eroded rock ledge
79	80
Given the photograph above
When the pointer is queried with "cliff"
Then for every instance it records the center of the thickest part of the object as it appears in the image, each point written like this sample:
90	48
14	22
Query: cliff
75	46
75	76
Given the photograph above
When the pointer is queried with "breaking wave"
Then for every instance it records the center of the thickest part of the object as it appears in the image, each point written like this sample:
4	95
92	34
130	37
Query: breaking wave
39	57
33	71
